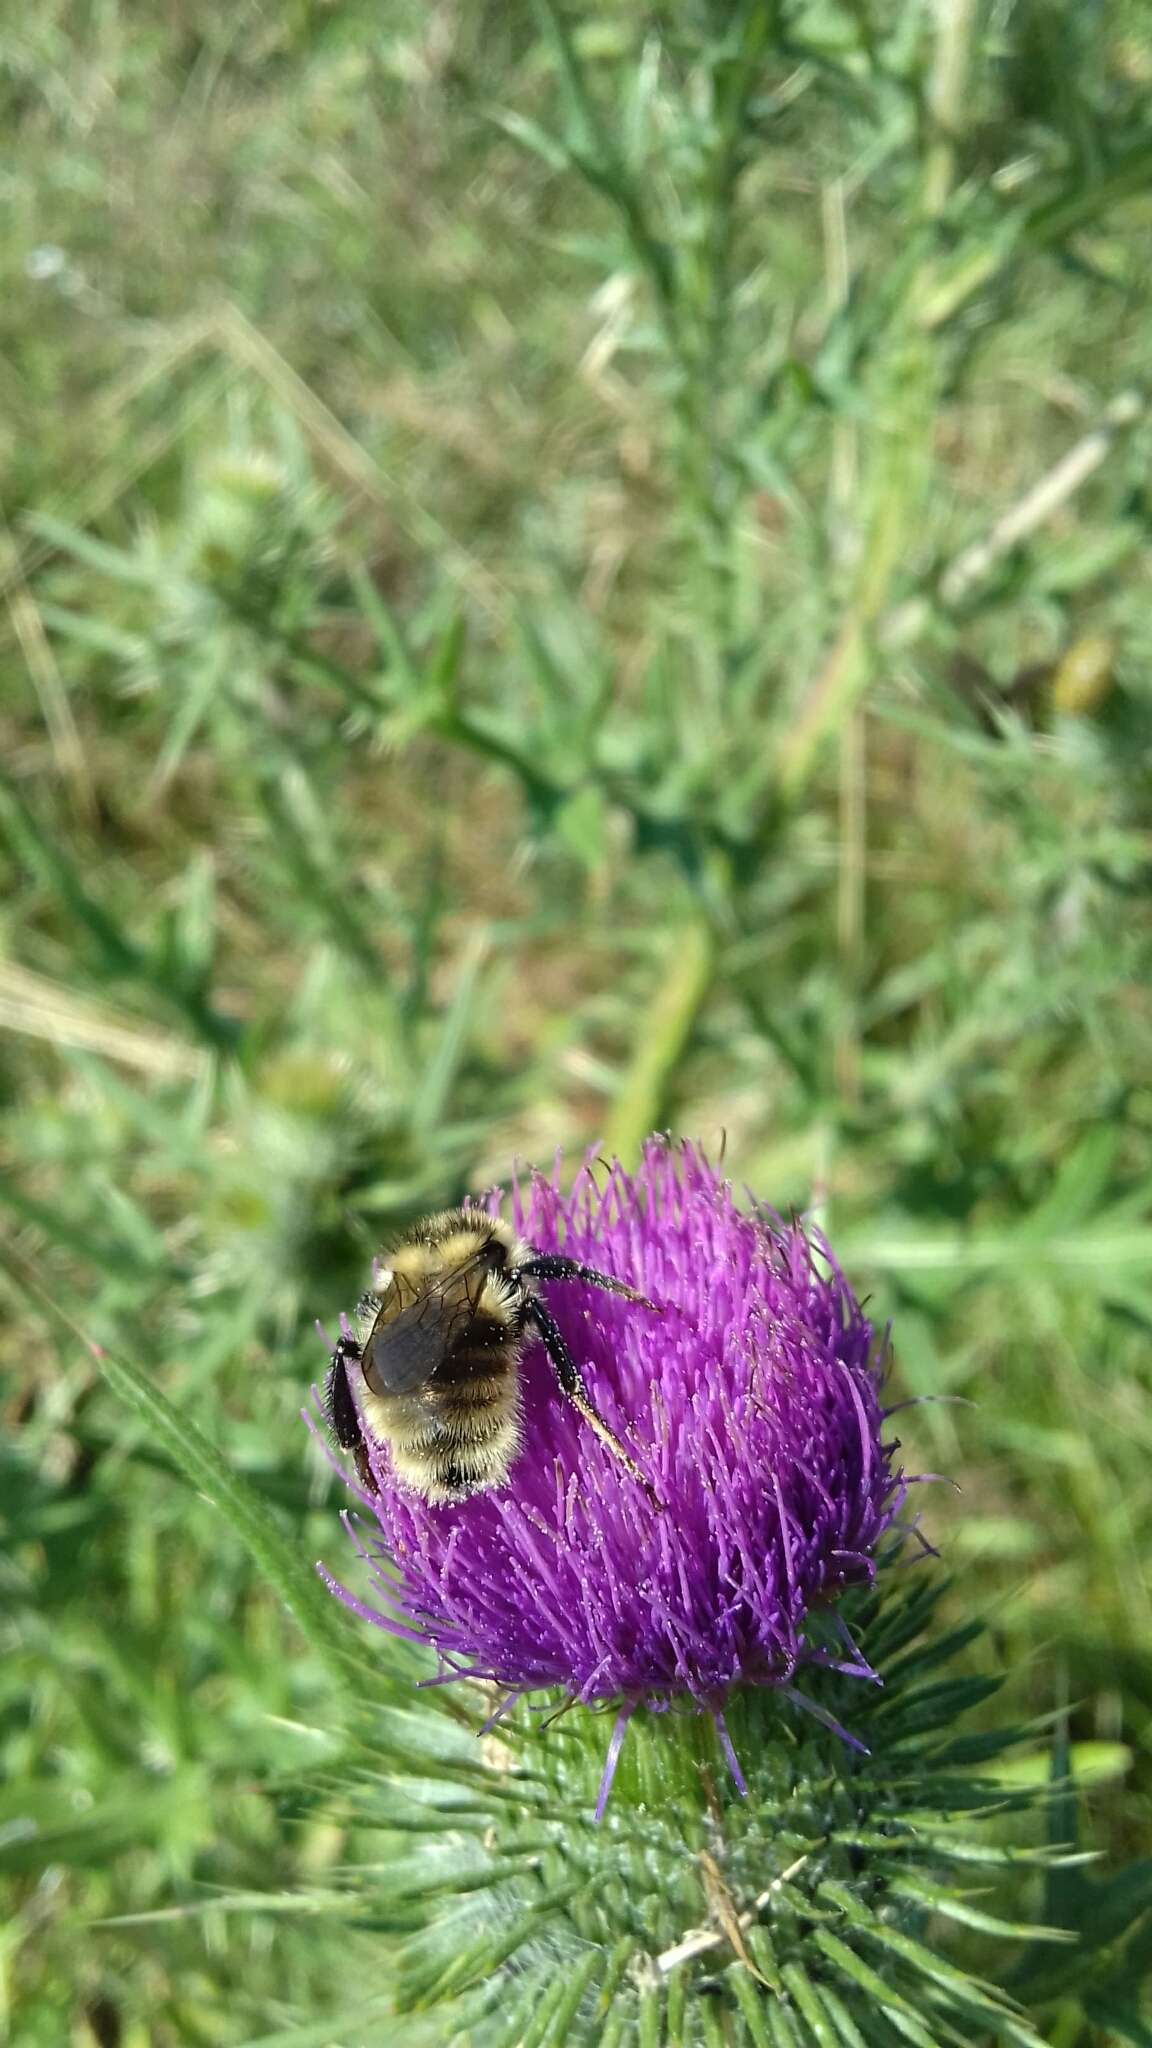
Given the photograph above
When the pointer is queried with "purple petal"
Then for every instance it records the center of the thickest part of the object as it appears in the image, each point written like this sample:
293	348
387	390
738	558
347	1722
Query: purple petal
619	1731
826	1720
730	1755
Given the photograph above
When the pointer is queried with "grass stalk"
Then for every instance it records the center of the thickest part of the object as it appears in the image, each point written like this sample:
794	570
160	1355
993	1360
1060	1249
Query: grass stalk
666	1029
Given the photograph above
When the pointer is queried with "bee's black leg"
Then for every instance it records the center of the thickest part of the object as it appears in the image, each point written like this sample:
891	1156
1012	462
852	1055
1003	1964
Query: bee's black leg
342	1412
338	1402
553	1266
572	1384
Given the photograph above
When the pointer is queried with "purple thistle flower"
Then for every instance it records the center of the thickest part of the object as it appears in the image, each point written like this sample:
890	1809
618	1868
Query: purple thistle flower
751	1403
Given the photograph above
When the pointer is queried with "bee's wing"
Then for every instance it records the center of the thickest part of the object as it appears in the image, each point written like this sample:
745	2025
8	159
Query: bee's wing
405	1348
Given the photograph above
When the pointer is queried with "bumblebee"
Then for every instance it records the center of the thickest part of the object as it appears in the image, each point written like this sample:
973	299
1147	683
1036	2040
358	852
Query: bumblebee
438	1351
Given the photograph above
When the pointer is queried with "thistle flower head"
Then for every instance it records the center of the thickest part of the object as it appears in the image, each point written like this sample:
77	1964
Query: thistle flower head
751	1403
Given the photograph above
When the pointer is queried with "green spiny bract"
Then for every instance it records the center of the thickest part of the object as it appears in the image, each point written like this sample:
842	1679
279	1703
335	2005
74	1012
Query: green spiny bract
842	1902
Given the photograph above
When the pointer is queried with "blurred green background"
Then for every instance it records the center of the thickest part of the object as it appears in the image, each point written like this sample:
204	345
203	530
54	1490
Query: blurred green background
553	585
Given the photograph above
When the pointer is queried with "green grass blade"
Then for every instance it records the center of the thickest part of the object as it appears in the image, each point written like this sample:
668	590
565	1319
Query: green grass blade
665	1031
318	1616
